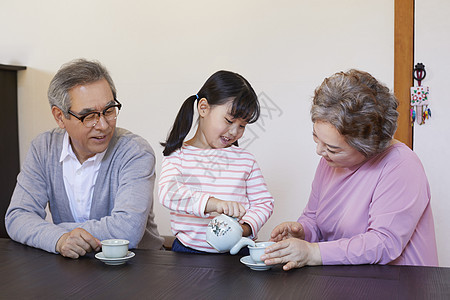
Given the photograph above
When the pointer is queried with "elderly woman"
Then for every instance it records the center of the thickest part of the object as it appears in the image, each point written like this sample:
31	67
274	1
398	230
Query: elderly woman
370	198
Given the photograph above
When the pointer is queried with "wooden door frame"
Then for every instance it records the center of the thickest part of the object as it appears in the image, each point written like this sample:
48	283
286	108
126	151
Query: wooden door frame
403	66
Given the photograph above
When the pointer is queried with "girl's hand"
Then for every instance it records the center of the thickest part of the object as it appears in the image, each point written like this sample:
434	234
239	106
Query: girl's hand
287	230
247	230
294	253
229	208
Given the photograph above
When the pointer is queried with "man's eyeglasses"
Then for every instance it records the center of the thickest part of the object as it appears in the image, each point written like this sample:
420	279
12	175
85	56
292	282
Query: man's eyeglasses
110	113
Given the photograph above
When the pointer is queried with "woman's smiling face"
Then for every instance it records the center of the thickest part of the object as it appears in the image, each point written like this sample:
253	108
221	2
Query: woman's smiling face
331	145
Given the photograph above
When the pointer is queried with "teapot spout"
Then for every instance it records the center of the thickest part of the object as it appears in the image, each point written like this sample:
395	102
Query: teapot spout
242	242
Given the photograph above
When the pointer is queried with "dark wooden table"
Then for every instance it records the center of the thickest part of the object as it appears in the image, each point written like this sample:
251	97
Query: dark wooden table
31	273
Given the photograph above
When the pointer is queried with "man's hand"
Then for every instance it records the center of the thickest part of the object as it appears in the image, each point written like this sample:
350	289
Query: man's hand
77	243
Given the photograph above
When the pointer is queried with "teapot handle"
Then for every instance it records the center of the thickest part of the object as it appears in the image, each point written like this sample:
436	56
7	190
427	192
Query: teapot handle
241	243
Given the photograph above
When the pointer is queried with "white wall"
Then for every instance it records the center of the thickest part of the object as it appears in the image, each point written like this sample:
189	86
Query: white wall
431	140
160	52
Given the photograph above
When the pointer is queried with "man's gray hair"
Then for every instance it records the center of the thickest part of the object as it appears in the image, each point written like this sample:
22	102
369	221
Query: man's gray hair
72	74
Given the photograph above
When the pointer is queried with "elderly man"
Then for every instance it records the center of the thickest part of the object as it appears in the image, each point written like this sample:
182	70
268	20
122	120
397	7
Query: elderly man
97	179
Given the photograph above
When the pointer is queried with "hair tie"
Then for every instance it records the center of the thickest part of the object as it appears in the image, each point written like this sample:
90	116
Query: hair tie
196	96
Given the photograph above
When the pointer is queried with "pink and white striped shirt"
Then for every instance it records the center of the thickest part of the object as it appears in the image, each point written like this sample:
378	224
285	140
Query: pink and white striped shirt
190	176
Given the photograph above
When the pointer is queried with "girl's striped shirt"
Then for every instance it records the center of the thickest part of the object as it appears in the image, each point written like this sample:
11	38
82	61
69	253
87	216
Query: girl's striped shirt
190	176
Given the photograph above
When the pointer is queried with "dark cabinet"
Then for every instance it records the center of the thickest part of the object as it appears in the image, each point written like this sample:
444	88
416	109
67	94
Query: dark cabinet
9	138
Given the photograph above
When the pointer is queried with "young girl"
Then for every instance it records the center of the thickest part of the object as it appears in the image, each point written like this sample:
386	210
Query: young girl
210	173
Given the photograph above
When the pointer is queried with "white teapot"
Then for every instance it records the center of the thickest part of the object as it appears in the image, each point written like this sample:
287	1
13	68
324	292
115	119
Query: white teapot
224	233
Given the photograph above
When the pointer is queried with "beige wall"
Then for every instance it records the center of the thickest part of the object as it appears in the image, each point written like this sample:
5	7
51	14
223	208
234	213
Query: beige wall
431	141
160	52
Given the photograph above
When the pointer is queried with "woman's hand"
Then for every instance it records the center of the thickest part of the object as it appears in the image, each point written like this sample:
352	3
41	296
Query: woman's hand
229	208
294	253
287	230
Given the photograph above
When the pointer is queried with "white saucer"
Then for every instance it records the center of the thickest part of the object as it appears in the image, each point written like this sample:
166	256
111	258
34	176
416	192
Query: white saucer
249	262
114	261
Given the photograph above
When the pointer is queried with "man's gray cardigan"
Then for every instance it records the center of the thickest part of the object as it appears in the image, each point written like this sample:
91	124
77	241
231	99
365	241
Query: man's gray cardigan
122	201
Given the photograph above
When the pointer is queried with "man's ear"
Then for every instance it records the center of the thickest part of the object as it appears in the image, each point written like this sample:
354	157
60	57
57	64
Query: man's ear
59	117
203	107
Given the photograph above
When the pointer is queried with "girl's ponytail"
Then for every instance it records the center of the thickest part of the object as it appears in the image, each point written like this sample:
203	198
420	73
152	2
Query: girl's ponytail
181	126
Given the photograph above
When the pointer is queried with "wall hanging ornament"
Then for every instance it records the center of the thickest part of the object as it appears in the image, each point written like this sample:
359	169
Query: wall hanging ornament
419	97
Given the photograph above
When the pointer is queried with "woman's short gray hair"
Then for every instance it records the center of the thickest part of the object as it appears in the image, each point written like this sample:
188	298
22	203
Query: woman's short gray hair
362	109
72	74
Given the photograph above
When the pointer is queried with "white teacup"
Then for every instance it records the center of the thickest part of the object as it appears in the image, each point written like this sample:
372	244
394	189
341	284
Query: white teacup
224	234
115	248
257	251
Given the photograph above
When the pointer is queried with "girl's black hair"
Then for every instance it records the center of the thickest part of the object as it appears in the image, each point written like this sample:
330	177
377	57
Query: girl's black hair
221	87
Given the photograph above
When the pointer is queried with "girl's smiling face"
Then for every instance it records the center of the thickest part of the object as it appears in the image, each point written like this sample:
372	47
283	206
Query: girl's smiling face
217	128
331	145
